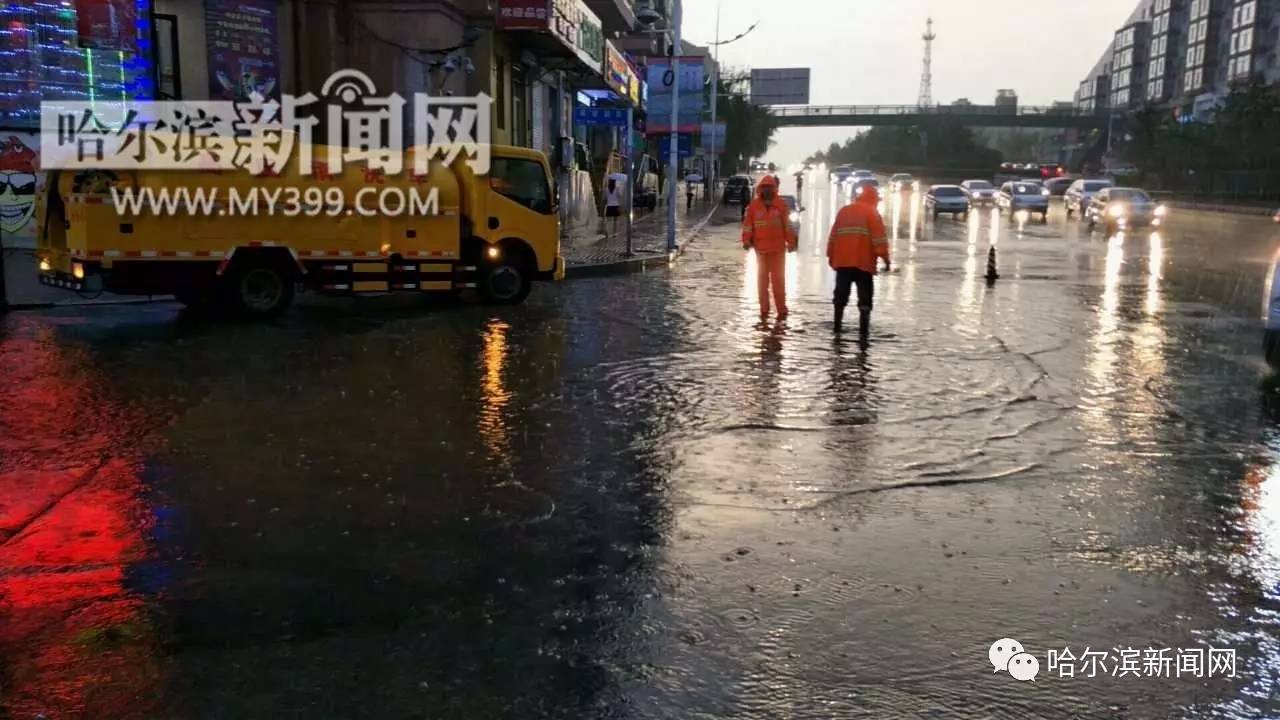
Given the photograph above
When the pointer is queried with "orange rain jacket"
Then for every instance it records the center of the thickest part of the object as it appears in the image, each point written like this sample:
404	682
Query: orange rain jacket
858	236
767	227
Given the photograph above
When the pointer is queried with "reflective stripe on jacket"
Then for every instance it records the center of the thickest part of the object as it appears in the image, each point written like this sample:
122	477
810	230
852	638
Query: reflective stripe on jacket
857	238
767	227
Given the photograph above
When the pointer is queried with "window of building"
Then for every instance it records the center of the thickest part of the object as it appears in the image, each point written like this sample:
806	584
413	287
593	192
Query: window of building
1199	9
1194	79
1240	67
519	106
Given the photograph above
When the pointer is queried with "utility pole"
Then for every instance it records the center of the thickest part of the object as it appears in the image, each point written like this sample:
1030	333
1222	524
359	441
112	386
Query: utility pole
926	76
673	160
714	170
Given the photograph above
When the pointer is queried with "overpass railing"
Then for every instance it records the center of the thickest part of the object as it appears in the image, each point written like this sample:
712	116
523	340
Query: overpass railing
793	111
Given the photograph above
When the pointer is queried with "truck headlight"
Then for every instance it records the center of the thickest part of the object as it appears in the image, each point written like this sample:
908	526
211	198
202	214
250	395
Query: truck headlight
493	252
45	265
77	271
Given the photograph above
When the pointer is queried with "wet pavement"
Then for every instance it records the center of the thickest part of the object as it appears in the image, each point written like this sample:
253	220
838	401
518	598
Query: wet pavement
626	499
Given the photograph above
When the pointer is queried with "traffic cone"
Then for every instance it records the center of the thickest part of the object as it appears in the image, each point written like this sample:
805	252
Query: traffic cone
992	275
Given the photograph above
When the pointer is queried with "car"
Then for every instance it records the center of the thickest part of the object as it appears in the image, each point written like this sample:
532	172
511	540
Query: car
946	200
1080	193
1019	196
1121	208
793	211
861	174
1049	171
1058	186
737	189
1276	218
841	173
903	182
646	187
979	192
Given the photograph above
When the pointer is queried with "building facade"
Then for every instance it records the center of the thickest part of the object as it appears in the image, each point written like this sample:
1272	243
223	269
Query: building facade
1184	55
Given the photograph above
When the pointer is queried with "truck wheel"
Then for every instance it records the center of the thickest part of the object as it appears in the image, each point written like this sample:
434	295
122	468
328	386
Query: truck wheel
506	283
258	289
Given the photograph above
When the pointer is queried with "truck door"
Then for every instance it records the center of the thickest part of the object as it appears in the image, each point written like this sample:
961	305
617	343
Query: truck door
522	207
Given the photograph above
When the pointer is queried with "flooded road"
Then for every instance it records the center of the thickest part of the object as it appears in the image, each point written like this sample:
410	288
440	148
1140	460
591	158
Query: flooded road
628	500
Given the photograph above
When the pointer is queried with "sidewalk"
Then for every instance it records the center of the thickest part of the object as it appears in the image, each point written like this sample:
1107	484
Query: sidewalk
590	254
23	288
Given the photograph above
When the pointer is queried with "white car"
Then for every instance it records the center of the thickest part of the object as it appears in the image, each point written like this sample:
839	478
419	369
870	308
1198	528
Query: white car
979	192
1081	193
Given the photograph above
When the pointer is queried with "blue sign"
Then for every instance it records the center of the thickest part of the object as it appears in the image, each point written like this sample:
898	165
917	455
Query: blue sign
685	146
593	116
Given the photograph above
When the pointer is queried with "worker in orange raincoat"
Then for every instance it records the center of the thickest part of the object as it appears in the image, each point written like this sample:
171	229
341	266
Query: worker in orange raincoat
766	227
857	240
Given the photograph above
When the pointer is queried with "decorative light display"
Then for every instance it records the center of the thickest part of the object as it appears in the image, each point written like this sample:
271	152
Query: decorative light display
41	59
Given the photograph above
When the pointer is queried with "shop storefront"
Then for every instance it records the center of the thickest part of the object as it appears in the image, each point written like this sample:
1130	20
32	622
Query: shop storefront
50	50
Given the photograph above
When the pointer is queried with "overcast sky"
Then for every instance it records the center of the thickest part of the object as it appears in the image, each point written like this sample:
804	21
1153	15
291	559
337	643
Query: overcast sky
869	51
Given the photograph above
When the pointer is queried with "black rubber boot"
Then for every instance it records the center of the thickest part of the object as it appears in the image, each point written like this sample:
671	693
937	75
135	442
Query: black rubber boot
864	321
839	323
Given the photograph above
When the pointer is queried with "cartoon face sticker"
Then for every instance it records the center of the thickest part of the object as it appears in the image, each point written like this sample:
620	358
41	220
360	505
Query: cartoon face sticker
17	185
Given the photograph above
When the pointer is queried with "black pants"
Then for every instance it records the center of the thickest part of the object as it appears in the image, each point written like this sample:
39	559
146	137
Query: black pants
846	277
688	201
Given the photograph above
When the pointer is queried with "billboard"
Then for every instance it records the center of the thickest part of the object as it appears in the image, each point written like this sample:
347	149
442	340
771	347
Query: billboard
244	57
780	86
713	137
661	80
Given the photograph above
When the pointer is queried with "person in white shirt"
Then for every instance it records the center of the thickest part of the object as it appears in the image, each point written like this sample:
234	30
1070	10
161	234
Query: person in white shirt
613	188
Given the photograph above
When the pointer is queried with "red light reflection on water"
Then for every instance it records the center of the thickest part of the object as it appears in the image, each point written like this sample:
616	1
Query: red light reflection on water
75	639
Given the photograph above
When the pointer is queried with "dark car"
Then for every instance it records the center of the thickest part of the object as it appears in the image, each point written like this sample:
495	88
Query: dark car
1022	196
947	200
1057	187
738	190
1119	208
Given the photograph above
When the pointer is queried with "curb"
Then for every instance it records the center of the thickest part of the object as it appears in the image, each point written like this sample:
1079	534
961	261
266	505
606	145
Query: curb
640	262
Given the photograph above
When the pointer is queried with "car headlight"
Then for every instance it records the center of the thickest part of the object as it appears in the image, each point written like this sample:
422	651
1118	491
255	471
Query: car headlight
794	216
1161	211
1116	211
1045	192
857	190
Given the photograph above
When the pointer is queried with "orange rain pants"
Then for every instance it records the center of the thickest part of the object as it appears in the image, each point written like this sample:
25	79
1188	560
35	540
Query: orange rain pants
771	274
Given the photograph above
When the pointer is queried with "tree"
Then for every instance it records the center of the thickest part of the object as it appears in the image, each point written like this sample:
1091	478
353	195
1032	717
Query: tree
749	128
936	144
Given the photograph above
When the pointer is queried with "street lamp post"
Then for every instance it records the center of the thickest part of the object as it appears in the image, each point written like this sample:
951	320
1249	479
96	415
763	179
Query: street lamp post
673	158
714	171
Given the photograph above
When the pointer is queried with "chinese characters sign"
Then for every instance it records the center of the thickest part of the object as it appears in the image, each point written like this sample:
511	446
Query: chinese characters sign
591	116
523	14
243	54
618	74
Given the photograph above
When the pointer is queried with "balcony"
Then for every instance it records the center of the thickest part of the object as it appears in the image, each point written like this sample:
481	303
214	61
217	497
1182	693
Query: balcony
616	15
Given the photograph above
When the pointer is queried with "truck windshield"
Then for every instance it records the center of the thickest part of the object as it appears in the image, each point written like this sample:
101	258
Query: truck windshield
523	181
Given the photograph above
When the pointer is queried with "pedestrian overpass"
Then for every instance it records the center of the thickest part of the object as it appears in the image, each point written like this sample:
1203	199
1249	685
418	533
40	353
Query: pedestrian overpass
971	115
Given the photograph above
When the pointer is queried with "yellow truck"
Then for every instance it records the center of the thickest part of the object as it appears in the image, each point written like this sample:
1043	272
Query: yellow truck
246	243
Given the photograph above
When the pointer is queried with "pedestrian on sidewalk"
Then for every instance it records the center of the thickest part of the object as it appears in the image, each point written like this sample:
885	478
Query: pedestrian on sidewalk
766	228
857	240
691	183
612	205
